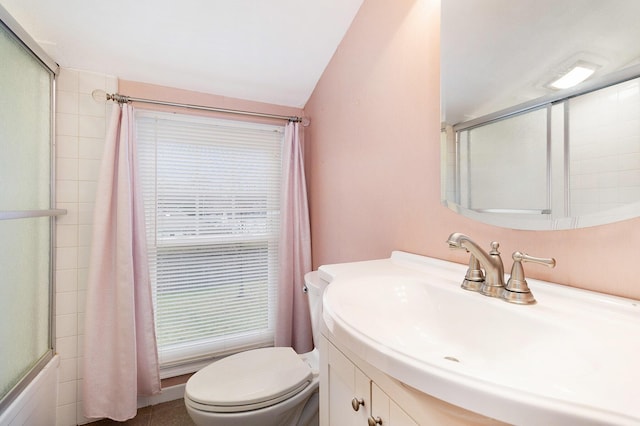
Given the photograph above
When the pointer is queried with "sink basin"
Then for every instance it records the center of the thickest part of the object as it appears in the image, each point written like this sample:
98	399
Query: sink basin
569	359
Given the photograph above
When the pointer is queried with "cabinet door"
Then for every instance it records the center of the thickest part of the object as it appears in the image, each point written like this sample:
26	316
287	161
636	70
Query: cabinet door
346	384
398	417
386	411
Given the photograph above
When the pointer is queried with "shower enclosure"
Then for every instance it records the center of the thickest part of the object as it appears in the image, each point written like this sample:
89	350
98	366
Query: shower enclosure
27	209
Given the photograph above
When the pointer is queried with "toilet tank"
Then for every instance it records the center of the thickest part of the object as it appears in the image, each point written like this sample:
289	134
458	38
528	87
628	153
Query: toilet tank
314	287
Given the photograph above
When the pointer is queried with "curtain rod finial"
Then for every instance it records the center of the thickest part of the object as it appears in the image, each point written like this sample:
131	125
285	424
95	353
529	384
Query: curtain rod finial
305	122
99	95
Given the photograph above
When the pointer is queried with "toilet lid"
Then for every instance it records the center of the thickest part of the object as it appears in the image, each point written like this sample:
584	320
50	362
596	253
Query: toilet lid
249	380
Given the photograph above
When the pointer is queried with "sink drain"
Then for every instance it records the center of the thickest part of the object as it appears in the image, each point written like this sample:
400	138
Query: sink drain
452	358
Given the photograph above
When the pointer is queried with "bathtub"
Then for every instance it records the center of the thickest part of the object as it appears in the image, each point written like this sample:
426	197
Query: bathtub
36	405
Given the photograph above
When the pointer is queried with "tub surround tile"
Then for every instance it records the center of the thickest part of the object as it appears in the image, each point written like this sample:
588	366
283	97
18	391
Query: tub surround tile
71	218
67	347
90	148
91	127
68	370
66	191
66	124
66	303
67	102
89	106
66	280
67	80
66	146
80	131
67	325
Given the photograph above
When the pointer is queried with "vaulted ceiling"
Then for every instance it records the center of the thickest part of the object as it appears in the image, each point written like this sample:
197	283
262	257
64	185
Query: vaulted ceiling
270	51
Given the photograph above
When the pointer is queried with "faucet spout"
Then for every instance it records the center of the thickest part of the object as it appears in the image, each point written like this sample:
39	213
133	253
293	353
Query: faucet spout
491	262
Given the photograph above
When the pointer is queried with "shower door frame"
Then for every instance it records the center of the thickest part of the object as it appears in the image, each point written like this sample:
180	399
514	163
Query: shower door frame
14	29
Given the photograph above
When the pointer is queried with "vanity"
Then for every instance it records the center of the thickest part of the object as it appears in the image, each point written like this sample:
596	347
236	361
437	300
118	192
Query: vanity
404	344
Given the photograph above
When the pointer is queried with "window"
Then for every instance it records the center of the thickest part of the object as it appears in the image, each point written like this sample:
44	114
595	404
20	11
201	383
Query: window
212	200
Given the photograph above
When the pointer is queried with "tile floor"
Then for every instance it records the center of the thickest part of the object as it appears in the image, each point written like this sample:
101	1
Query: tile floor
172	413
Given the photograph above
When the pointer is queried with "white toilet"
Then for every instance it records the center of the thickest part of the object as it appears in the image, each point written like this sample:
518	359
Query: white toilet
261	387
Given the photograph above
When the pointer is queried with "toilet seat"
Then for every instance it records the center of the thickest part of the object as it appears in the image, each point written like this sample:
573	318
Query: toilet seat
248	380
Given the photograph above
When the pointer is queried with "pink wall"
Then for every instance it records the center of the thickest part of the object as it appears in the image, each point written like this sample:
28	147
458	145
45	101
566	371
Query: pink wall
373	162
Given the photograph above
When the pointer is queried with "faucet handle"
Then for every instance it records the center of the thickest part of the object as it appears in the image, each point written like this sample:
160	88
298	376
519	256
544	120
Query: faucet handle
517	290
523	257
474	277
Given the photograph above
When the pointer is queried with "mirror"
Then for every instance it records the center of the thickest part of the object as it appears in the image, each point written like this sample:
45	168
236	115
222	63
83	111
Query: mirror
522	154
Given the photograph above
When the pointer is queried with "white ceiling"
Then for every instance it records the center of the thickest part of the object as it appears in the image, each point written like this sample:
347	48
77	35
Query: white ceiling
270	51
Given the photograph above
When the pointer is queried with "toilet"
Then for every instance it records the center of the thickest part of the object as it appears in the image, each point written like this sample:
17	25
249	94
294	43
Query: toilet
261	387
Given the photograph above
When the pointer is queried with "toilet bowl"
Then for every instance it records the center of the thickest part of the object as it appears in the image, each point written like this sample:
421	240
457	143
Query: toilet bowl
261	387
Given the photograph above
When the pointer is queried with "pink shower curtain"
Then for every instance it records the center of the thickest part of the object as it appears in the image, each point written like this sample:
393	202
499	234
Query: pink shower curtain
293	326
120	353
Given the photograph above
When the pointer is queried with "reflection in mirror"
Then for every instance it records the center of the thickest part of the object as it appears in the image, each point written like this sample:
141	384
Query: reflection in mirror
540	158
498	175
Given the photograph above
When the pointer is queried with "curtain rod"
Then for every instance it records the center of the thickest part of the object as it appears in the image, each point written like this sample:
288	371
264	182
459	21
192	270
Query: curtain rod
101	95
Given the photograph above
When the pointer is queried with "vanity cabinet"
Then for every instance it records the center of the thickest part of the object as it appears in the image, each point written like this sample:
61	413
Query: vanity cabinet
348	382
387	410
354	399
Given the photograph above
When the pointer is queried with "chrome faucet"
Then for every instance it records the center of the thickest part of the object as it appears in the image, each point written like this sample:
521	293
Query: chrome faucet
516	290
491	263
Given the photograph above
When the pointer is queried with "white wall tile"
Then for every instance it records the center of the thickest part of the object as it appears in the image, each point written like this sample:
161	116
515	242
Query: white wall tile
84	235
630	177
67	347
68	370
66	146
67	80
90	148
67	392
83	257
66	303
80	132
66	325
66	280
81	320
71	218
66	415
83	276
82	297
89	106
80	373
66	235
88	169
630	161
67	102
66	124
67	169
603	123
630	194
67	258
67	191
80	346
91	127
85	213
86	191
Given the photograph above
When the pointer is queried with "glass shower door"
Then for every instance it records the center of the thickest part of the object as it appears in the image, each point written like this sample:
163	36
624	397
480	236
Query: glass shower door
26	228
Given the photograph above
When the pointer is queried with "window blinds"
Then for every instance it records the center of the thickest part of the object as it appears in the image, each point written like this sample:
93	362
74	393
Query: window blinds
212	197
